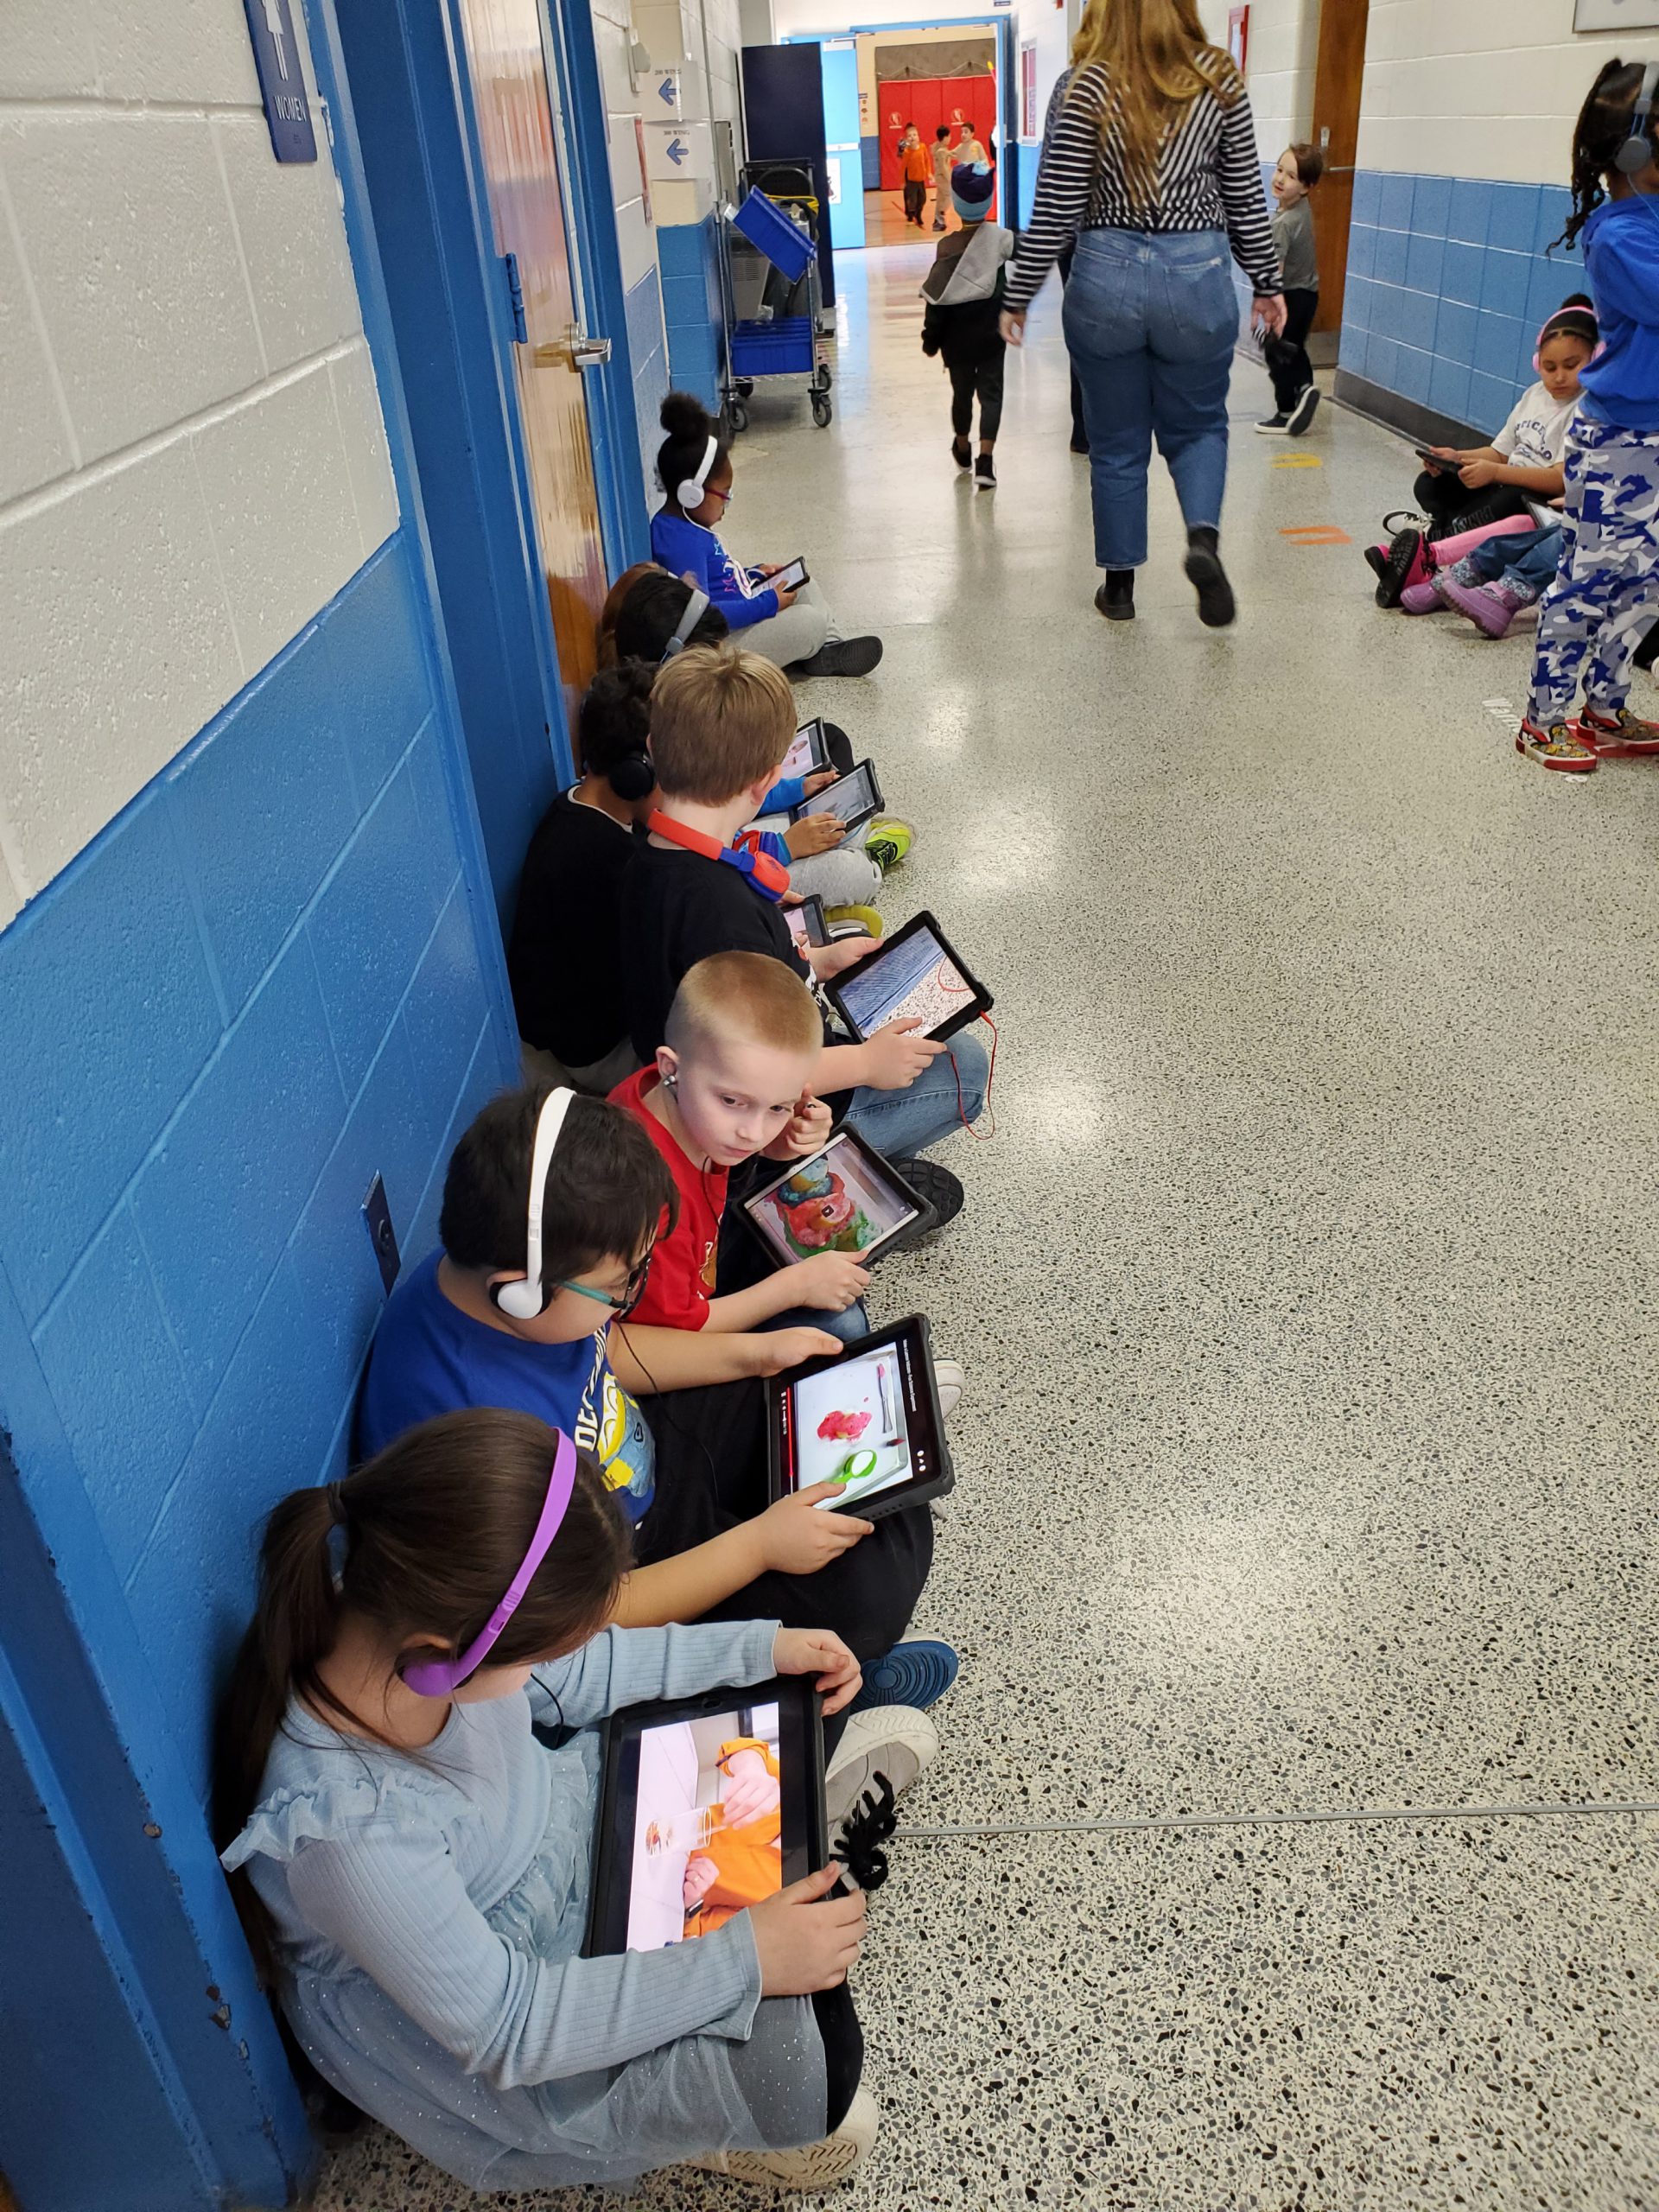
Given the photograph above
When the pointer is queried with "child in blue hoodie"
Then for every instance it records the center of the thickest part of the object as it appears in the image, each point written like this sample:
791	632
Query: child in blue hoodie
795	629
1602	600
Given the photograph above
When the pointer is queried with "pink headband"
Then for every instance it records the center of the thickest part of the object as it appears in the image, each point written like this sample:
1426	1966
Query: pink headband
444	1677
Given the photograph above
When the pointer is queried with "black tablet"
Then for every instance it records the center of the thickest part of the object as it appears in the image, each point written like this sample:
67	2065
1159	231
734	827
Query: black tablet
1436	460
669	1863
914	973
854	798
806	922
790	576
809	752
868	1418
845	1198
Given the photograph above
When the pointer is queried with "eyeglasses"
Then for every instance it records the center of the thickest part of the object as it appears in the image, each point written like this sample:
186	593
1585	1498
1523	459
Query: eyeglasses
632	1290
713	491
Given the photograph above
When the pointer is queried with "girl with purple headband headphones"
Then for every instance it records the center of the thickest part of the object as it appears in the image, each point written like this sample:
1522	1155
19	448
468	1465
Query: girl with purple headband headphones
411	1861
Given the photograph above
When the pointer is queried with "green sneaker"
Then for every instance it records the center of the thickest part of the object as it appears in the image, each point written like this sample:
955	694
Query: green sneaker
886	840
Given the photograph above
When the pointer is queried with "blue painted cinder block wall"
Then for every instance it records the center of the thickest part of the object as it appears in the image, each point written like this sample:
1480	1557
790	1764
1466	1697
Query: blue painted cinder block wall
687	256
1448	283
262	983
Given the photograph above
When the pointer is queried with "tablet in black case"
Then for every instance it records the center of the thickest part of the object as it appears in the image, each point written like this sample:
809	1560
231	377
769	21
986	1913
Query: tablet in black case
845	1198
669	1866
914	973
854	799
867	1417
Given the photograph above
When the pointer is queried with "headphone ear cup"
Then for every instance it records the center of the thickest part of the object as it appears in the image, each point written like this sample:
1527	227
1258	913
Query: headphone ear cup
690	493
519	1301
633	776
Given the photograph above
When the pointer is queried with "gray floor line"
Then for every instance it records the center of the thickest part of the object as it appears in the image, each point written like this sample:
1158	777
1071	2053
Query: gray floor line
1281	1820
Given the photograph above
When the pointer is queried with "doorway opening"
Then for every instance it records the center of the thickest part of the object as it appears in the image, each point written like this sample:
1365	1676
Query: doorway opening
942	77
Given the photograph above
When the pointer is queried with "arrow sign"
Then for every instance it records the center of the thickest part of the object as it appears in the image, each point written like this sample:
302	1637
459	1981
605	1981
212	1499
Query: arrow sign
677	152
668	93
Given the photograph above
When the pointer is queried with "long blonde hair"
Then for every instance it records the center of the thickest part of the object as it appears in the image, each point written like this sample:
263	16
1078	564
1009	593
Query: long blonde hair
1157	61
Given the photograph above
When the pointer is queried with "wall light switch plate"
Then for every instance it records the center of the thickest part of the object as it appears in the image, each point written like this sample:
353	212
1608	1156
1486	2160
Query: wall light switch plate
377	1214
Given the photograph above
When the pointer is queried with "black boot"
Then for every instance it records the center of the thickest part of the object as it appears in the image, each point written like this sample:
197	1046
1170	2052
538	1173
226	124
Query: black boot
1116	598
1206	573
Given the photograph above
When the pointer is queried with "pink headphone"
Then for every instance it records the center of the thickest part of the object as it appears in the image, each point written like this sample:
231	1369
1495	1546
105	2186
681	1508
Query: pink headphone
1550	324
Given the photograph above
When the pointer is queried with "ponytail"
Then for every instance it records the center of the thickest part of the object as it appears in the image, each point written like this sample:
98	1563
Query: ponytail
1604	125
431	1531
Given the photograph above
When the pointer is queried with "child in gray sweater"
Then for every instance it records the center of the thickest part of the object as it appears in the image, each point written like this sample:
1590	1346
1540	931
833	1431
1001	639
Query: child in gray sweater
1295	395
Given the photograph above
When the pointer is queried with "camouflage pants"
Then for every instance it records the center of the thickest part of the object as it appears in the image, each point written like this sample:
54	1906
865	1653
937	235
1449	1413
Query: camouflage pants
1605	595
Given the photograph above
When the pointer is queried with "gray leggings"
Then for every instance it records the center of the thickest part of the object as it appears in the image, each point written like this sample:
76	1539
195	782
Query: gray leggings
794	634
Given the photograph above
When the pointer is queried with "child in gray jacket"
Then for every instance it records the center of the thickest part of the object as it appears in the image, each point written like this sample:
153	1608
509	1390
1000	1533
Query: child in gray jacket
964	292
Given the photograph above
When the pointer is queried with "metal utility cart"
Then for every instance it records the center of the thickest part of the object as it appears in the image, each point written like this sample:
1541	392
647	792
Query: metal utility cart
772	300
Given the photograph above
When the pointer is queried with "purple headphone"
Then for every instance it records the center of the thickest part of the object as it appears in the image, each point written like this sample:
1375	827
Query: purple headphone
444	1677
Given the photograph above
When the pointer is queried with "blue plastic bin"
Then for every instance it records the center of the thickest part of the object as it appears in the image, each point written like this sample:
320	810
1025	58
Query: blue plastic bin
773	349
784	244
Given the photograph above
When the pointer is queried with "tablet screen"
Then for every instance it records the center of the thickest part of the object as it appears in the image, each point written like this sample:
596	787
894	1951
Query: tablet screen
834	1202
850	1424
912	979
707	1824
806	923
848	795
809	753
790	576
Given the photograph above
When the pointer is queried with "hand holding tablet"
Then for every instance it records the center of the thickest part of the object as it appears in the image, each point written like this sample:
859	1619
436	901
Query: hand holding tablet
866	1423
913	974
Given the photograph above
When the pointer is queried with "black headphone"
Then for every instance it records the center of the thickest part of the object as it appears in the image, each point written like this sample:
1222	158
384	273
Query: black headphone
634	775
1636	151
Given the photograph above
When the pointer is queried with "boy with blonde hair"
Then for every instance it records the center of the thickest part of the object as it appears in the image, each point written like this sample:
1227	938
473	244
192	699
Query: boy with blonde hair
722	720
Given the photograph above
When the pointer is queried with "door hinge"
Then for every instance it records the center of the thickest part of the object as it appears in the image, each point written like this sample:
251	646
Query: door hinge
515	299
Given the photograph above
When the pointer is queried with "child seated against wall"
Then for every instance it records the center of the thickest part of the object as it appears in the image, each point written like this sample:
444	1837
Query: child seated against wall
796	629
1465	495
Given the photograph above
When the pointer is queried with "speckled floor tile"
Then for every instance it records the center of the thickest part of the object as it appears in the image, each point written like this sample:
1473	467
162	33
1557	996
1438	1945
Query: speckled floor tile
1307	1295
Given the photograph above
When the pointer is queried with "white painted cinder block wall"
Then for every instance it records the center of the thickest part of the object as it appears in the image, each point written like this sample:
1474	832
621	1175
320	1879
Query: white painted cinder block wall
704	39
614	41
1480	88
192	459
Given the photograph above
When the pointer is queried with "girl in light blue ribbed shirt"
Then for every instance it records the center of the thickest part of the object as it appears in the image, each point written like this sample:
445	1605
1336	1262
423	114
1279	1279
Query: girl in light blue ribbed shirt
412	1862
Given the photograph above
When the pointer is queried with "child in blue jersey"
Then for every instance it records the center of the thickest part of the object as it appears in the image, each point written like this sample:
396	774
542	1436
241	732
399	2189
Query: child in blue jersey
412	1862
794	628
1601	604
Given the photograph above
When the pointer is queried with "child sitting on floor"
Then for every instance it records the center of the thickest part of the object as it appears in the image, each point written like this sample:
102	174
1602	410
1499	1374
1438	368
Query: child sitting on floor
794	628
1503	576
1485	490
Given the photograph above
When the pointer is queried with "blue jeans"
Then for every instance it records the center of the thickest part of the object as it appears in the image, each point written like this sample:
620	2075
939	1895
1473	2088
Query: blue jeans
1150	322
901	1123
854	1322
1535	559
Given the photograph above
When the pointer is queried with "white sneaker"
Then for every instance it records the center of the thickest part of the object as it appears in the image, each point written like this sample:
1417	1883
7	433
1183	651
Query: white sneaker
950	1380
894	1740
815	2166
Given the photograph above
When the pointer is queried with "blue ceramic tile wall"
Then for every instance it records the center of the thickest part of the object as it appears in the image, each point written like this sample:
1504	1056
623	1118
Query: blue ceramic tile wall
1448	282
257	987
691	311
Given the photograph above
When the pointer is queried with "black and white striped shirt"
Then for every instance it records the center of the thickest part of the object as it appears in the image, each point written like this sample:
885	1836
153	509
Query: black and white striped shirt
1209	179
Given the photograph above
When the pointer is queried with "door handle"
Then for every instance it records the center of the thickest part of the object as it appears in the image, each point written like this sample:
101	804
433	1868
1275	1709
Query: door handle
576	350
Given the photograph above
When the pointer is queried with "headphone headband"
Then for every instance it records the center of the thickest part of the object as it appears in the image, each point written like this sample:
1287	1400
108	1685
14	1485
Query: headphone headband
524	1302
1636	151
695	607
689	492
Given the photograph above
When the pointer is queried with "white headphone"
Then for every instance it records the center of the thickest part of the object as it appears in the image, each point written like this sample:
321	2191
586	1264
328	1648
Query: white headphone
690	491
695	607
524	1302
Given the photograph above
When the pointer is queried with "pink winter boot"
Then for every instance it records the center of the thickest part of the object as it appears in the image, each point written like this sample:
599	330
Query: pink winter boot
1491	607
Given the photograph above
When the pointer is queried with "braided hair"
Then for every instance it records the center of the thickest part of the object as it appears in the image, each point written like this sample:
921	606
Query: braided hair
1603	126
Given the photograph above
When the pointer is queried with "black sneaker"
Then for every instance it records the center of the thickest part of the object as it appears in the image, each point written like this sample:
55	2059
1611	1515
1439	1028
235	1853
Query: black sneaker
1376	559
1397	565
841	657
1116	598
939	1186
961	452
1303	412
1206	574
984	474
1275	426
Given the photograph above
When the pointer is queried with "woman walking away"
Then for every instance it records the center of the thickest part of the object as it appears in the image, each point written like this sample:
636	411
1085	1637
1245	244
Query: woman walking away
1152	170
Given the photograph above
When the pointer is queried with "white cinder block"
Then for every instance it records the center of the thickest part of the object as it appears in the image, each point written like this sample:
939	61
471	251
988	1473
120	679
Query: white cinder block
128	236
662	31
275	481
10	898
368	464
182	50
680	203
638	243
612	42
114	591
45	49
293	242
34	437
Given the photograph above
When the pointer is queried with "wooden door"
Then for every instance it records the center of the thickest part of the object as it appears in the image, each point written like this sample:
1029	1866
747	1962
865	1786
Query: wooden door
513	93
1338	75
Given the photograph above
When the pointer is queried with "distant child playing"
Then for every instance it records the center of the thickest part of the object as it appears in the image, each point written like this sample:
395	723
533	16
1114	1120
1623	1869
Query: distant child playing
794	628
963	291
412	1863
1602	602
916	166
1295	395
941	173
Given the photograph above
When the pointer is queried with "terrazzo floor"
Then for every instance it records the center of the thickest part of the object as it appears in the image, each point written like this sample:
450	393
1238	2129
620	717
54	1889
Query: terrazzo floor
1294	1843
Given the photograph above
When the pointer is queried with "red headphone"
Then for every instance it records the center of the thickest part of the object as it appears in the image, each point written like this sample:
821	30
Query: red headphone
768	876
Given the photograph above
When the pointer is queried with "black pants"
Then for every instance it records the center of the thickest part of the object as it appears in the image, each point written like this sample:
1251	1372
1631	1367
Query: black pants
711	1475
1286	355
1450	506
843	2051
1079	427
982	377
915	201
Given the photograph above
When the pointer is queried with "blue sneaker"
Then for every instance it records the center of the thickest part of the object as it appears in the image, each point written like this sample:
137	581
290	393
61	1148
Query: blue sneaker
916	1674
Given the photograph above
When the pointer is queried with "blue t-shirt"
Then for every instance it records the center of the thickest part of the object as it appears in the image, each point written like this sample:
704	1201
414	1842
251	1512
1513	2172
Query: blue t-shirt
684	548
1621	260
429	1357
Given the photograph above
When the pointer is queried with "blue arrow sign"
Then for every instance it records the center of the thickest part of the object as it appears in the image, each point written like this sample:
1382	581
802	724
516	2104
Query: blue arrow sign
676	152
667	92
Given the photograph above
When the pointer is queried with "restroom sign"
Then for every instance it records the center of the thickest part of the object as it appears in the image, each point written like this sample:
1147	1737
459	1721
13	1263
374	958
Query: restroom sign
281	81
